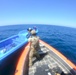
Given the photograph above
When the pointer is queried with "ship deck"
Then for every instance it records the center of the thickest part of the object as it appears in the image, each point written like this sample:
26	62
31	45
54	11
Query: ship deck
48	64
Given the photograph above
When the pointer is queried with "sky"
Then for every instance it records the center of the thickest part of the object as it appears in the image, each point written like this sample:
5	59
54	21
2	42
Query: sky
50	12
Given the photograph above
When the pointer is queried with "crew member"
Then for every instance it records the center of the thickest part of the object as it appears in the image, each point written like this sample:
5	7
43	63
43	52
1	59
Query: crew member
34	46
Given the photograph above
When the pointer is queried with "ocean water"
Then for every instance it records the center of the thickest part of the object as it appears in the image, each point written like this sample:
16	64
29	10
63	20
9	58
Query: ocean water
61	38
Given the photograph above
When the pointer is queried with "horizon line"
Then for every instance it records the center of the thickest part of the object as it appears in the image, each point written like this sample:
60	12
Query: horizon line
37	24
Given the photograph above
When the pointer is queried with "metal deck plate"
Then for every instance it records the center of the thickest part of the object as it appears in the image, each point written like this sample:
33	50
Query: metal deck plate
44	70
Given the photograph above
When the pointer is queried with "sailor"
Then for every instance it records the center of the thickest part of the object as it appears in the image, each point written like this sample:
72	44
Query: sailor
35	28
29	29
34	46
29	32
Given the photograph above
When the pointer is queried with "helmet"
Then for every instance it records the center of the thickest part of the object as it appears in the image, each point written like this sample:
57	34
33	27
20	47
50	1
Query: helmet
29	29
33	32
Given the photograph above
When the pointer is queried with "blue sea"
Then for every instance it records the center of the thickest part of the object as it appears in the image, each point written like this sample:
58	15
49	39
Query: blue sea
61	38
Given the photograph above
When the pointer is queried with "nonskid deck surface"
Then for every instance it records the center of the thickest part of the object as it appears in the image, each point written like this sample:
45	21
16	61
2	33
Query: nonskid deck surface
47	65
